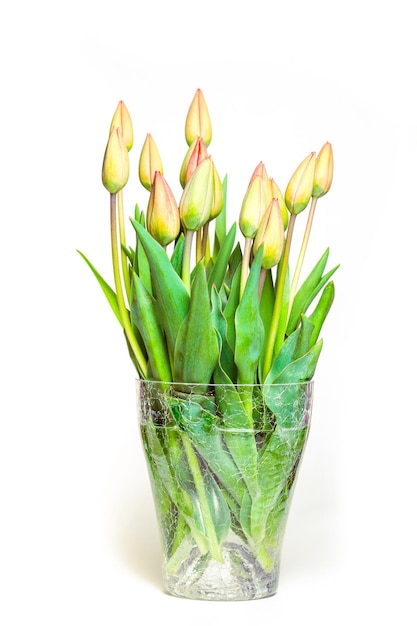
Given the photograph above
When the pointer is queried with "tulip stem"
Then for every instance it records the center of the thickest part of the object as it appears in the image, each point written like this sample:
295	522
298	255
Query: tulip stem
261	283
204	240
186	258
143	366
302	253
125	269
245	264
270	347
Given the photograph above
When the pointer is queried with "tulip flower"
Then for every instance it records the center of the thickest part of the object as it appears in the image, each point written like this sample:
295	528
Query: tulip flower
271	234
149	162
162	217
300	186
276	193
115	170
198	123
197	198
196	153
253	207
323	173
122	119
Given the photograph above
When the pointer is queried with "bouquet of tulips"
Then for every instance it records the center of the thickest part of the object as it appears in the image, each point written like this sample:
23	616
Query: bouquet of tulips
201	309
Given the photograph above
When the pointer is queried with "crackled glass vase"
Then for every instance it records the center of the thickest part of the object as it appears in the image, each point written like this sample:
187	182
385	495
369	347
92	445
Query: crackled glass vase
223	461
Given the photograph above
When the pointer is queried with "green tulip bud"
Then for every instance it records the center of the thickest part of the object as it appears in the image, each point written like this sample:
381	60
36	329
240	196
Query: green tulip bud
149	162
115	170
162	217
271	234
122	119
197	198
300	187
253	207
198	123
323	174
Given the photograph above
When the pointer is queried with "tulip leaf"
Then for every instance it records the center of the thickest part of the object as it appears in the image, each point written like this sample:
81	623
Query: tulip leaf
107	290
320	312
220	227
218	271
249	326
176	258
294	347
219	322
169	291
196	348
145	317
302	369
230	308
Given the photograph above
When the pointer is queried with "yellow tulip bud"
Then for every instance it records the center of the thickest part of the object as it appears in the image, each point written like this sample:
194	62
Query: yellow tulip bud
271	235
276	193
253	207
198	122
197	198
115	170
300	187
149	162
218	198
122	119
196	153
162	217
323	174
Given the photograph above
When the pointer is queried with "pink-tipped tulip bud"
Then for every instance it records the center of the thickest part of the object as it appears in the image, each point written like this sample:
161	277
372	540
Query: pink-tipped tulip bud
323	174
162	217
196	153
198	123
197	198
115	170
276	193
253	207
149	162
122	119
300	187
271	235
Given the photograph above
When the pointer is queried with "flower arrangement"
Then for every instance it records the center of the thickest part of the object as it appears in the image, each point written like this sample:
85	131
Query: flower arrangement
214	327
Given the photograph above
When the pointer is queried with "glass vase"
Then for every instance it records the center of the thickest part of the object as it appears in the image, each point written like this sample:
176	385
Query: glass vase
223	461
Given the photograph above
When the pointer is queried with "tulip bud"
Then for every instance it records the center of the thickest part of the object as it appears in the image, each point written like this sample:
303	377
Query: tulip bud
149	162
115	170
196	153
198	122
323	174
253	207
197	198
162	217
300	187
218	198
122	119
276	193
271	235
260	170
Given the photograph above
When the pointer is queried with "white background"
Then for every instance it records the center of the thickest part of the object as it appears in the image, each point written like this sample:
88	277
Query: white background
78	541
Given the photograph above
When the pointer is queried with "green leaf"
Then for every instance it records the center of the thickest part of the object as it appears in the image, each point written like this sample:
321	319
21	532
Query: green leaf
219	322
249	326
295	346
107	290
218	271
145	317
176	258
220	223
301	369
196	348
169	291
229	310
320	312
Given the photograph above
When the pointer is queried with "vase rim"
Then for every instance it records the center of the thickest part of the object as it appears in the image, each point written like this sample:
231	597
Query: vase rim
231	384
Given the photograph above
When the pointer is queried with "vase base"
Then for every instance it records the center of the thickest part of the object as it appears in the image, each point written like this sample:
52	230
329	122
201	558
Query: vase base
239	577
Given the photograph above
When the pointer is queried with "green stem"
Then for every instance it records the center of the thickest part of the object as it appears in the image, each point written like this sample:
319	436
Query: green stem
210	531
278	299
125	269
302	253
204	240
143	366
245	265
186	259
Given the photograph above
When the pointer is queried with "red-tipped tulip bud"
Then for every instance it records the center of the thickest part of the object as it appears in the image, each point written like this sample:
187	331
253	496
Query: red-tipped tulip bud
122	119
300	187
197	198
149	162
323	174
198	123
162	217
253	207
271	235
115	171
276	193
196	153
